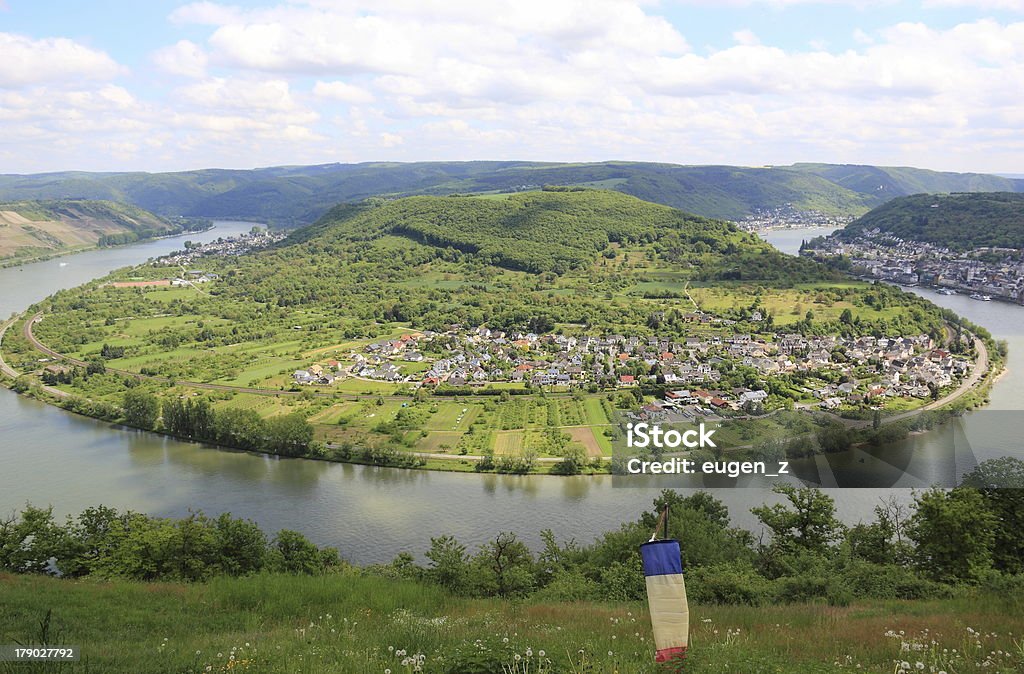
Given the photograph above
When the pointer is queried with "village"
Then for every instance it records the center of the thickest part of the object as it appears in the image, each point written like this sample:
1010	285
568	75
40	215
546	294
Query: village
257	238
985	273
788	217
694	376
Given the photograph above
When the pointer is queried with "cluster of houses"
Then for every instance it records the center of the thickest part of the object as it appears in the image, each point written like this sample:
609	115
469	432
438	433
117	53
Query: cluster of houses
224	247
990	272
868	367
789	217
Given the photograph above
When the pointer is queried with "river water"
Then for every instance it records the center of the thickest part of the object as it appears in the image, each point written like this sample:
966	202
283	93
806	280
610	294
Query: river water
48	456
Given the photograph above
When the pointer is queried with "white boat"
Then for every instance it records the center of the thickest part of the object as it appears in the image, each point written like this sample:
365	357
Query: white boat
947	291
981	298
63	264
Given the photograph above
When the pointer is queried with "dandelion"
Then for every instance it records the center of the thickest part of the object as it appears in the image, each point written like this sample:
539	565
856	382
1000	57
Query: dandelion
540	653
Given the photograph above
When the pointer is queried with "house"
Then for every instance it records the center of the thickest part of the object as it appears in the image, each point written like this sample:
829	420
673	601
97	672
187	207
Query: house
303	377
753	397
627	380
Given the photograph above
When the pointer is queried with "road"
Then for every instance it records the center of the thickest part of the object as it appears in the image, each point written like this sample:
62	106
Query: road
11	372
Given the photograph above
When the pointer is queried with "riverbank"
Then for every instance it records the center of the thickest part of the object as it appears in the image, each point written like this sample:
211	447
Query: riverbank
21	262
969	394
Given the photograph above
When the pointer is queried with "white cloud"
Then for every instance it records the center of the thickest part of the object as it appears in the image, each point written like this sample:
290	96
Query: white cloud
220	93
342	91
182	58
26	61
573	80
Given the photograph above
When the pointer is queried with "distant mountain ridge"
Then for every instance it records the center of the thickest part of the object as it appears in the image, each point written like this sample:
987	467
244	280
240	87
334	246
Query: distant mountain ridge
295	195
41	228
961	221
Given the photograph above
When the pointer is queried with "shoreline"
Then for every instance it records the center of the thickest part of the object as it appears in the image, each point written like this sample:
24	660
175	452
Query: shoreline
11	263
462	463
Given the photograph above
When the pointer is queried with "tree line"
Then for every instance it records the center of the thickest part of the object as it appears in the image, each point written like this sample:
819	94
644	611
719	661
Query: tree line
944	543
196	419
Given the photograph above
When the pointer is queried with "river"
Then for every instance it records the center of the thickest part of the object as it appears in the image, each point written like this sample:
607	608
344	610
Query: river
370	514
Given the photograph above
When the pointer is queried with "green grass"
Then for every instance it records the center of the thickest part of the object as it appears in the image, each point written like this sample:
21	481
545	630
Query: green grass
354	624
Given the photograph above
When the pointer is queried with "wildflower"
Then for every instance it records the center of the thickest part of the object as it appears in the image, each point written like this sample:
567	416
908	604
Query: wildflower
540	653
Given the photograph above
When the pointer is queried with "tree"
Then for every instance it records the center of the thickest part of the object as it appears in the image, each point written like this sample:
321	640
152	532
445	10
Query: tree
807	523
1001	484
29	542
241	545
289	435
141	409
449	563
954	532
503	567
291	552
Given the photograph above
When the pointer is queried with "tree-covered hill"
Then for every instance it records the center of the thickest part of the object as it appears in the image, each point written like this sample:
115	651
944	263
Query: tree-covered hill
886	182
561	229
957	221
38	228
296	195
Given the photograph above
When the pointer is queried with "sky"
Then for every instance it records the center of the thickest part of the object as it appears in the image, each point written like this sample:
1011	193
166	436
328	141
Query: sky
167	86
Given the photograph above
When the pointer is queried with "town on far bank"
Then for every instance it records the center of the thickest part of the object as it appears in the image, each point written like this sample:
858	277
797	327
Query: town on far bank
984	273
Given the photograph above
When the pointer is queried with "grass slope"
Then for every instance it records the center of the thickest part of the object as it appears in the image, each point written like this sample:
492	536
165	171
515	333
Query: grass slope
354	624
36	228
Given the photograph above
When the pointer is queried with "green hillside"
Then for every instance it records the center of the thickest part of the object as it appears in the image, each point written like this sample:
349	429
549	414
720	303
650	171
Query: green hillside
294	195
886	182
957	221
558	229
31	229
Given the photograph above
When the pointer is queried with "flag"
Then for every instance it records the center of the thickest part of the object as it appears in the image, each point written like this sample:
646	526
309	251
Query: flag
666	597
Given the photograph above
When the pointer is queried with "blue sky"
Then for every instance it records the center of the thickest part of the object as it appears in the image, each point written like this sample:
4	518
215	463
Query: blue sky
174	85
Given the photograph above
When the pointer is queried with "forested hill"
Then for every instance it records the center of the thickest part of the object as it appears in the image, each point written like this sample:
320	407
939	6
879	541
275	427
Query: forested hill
31	229
957	221
298	195
561	229
886	182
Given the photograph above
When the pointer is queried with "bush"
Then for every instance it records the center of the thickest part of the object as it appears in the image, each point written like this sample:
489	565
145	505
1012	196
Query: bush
888	581
568	586
728	584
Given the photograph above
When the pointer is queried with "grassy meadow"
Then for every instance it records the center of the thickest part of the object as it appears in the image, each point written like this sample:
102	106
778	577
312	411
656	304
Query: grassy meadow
353	623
